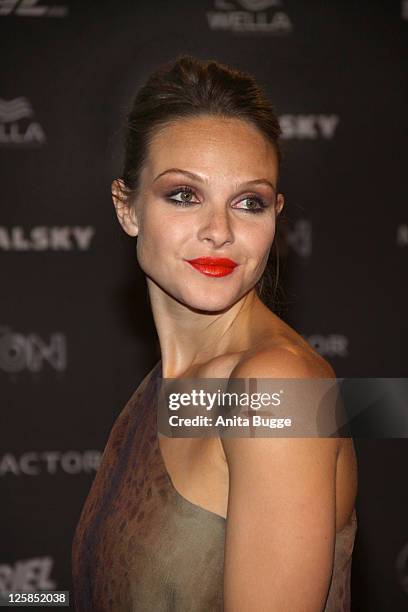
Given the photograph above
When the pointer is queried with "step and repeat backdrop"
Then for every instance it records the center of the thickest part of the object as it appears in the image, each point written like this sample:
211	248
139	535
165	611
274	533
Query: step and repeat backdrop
76	333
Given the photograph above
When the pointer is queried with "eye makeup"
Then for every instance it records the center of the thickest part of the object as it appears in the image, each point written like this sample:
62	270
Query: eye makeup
261	203
176	191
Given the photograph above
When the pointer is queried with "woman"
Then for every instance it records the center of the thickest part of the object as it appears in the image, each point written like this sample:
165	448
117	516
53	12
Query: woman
194	524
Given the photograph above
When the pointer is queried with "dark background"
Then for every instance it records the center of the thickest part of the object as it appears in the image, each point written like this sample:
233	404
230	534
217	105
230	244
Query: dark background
76	334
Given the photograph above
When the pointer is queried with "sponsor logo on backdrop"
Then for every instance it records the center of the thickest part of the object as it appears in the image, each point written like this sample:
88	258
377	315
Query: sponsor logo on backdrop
42	238
17	125
254	16
402	235
299	237
333	345
30	352
27	575
31	8
309	127
34	463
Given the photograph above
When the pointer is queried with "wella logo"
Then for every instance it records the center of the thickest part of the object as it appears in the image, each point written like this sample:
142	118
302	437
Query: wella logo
249	16
15	110
16	126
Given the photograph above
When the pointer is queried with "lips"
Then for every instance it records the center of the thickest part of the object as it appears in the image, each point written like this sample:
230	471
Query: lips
213	266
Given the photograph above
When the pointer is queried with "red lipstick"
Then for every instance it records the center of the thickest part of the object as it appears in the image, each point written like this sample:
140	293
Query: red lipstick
213	266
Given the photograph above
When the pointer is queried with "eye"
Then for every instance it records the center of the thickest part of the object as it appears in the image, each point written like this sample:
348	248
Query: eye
255	204
186	196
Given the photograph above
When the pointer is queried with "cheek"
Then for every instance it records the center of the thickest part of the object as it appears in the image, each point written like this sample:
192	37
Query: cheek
161	234
258	240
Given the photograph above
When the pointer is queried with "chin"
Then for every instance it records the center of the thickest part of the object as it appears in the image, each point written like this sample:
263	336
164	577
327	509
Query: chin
214	301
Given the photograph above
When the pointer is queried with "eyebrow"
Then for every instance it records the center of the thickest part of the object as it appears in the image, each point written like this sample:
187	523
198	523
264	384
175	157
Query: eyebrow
197	177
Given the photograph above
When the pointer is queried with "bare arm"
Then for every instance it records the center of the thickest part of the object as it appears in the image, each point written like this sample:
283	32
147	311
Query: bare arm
281	510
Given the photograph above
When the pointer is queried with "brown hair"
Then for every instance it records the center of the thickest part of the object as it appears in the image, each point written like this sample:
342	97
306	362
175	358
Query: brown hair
188	87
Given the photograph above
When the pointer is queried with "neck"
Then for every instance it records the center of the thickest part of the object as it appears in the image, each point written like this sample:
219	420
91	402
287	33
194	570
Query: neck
190	337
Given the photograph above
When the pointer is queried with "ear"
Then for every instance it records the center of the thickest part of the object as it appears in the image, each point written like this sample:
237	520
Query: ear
280	201
126	214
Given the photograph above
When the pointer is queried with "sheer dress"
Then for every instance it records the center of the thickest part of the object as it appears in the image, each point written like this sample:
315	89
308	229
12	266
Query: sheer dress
140	546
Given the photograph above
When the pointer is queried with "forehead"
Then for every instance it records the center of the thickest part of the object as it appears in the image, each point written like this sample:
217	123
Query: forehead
226	146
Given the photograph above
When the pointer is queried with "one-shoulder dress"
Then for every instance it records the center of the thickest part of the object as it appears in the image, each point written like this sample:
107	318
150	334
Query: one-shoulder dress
140	546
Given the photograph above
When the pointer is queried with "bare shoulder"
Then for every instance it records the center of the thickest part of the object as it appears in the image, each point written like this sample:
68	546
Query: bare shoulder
282	360
282	356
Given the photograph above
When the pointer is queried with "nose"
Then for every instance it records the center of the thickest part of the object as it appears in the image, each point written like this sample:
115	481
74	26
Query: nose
216	228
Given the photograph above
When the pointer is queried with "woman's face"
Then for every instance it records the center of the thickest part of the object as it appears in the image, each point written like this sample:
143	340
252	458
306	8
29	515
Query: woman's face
207	190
